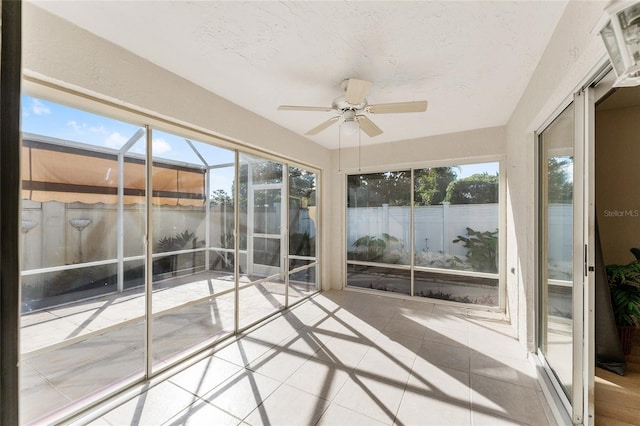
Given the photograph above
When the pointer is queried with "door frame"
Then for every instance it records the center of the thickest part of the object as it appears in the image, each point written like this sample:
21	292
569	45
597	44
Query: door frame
281	236
580	410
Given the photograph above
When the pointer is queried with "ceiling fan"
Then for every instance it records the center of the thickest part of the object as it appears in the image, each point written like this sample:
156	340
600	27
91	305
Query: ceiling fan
353	107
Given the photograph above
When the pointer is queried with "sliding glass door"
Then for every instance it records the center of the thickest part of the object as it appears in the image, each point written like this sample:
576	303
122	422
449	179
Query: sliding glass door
141	247
556	319
565	254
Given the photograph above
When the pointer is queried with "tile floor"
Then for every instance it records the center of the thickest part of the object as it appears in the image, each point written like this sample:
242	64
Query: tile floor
346	357
83	348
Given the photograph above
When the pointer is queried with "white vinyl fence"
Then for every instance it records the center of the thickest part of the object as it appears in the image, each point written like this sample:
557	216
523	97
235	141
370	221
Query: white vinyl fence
437	226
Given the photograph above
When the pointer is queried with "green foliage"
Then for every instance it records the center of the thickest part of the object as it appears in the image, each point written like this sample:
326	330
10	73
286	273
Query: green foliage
374	249
560	181
431	185
480	188
628	274
624	285
625	300
262	172
482	249
302	184
181	241
376	189
369	248
221	198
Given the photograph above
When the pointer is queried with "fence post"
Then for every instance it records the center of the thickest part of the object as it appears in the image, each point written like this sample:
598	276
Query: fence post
446	248
385	218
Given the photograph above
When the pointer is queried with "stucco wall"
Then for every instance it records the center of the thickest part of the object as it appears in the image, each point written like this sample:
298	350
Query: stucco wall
571	55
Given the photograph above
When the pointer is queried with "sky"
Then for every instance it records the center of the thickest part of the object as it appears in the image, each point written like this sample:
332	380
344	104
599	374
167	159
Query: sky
471	169
54	120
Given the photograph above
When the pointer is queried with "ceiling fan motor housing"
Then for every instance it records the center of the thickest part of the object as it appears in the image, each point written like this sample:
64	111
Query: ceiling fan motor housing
340	104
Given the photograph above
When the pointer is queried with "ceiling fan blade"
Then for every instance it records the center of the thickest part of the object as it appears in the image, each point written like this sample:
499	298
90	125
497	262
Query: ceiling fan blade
368	126
303	108
357	90
396	107
322	126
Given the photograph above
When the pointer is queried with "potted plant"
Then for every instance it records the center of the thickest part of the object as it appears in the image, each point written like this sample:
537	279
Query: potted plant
624	285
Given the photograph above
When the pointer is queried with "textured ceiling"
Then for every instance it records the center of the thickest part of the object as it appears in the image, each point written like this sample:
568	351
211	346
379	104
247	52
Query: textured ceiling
470	60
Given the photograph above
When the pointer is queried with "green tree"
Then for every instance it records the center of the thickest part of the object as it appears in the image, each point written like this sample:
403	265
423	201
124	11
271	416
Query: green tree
560	180
263	172
480	188
220	197
302	184
431	185
375	189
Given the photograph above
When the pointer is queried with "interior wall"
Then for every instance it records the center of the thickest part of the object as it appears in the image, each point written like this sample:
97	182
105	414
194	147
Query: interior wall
572	54
65	55
618	182
474	146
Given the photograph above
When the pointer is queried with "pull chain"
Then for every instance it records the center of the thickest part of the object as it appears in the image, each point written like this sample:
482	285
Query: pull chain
359	149
340	148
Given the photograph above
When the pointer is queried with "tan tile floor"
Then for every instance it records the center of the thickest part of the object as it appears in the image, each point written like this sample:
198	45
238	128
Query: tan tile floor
346	357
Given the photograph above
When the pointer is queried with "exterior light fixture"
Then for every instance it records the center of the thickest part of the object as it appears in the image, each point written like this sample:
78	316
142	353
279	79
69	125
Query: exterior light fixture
619	28
80	224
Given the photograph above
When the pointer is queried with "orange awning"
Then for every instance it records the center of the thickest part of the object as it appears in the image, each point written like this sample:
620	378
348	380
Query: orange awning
65	173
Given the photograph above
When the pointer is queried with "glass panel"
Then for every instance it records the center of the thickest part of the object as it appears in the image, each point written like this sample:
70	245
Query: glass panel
266	212
187	276
257	301
456	288
221	217
379	278
179	332
378	217
610	43
265	171
556	245
303	215
456	219
266	251
302	283
302	212
134	274
260	256
630	24
74	345
47	289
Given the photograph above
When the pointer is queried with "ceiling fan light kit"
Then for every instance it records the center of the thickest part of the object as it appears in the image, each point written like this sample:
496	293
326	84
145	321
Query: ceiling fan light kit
352	109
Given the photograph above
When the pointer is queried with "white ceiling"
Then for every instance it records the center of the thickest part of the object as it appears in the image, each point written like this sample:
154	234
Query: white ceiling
470	59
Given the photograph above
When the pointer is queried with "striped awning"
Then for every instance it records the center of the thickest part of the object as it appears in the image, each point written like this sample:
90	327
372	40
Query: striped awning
66	172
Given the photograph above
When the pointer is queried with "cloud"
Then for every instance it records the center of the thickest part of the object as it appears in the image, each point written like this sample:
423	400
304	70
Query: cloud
38	108
160	146
99	130
115	140
76	126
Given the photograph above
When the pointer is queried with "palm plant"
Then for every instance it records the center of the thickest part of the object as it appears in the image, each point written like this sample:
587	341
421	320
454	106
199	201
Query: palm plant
624	285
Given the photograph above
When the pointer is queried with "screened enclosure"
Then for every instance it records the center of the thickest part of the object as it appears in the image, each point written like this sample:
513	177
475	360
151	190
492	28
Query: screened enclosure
431	232
141	246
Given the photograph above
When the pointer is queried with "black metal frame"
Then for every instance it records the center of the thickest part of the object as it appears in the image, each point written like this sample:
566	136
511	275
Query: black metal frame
10	76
